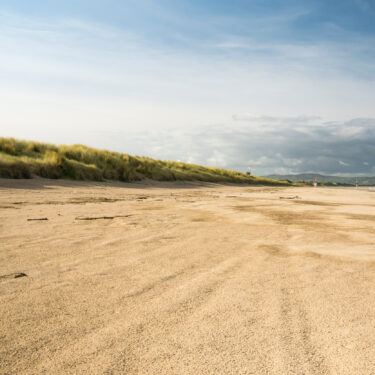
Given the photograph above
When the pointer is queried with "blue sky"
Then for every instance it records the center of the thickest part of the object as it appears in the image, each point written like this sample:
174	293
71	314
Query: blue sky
183	79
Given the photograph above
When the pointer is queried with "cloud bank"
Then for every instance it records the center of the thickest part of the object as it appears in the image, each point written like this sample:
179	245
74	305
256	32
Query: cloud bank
269	145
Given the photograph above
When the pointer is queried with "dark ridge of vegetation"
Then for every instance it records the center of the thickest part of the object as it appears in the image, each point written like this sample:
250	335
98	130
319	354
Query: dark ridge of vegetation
24	159
308	178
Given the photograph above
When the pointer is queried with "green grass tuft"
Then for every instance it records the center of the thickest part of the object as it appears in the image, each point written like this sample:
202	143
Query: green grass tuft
23	159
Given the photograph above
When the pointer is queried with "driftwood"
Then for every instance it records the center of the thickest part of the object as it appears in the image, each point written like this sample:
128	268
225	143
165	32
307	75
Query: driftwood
15	275
42	218
101	217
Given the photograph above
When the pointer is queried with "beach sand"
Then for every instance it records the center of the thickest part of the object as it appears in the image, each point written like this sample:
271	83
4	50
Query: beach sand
185	278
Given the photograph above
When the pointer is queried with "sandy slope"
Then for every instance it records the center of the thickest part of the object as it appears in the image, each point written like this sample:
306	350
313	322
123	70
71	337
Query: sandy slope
186	279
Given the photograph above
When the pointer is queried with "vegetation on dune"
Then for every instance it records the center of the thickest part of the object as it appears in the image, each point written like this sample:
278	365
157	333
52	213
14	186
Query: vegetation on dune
23	159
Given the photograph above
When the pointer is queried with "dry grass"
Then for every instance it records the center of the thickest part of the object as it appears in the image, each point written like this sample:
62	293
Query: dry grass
24	159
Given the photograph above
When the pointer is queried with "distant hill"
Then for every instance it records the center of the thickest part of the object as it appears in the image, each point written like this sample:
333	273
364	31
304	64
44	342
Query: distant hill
309	177
24	159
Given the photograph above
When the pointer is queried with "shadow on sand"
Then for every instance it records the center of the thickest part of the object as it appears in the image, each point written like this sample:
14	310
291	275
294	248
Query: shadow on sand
38	183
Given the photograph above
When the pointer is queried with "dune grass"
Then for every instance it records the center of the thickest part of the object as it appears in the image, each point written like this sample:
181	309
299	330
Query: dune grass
25	159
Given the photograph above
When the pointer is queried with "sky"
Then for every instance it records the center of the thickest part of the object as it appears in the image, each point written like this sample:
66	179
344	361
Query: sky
277	86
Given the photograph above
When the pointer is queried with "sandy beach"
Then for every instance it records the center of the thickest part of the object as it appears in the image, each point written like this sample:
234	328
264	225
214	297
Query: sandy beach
185	278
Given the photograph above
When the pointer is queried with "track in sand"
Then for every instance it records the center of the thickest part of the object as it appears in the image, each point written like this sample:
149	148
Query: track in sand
186	279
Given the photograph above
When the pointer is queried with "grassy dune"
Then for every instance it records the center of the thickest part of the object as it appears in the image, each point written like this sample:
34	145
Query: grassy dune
24	159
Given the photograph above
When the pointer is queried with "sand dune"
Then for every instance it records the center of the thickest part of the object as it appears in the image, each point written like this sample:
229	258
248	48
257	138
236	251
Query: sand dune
111	278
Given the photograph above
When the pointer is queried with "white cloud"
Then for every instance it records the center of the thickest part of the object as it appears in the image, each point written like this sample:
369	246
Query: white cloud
73	81
343	163
238	146
247	117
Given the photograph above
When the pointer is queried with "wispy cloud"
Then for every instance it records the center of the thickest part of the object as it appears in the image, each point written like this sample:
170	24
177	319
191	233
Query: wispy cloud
363	4
248	117
208	85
